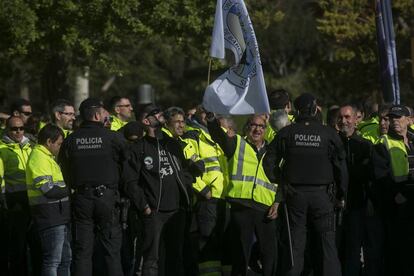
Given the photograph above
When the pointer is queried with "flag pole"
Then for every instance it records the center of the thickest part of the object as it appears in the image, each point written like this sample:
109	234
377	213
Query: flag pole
209	71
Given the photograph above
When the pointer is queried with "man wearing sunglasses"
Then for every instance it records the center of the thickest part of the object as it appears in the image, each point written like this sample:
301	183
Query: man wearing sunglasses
21	108
14	153
121	110
63	115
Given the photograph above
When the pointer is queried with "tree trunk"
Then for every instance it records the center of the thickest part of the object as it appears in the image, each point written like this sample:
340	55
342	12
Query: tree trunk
81	86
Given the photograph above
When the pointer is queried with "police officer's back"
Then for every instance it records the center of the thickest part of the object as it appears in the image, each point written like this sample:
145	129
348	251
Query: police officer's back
91	159
313	158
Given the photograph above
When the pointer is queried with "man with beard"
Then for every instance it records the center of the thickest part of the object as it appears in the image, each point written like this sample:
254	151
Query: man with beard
160	191
121	109
362	224
63	115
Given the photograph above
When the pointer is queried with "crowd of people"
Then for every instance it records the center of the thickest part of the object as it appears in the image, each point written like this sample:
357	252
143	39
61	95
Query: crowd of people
110	191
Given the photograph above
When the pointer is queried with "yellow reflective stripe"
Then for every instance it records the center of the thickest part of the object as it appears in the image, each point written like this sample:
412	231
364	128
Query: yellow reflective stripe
210	268
214	168
16	176
41	178
248	178
47	186
210	159
41	199
240	159
15	188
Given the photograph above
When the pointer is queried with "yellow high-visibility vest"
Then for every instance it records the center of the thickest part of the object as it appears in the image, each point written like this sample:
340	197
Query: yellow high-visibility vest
248	179
399	157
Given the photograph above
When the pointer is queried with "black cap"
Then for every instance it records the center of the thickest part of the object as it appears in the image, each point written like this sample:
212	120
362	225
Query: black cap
398	111
304	102
151	110
133	129
278	99
90	103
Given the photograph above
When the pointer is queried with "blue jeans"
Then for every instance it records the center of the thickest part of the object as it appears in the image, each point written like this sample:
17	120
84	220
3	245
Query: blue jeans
56	251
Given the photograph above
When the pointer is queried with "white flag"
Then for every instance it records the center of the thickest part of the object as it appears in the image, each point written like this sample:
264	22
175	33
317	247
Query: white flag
241	89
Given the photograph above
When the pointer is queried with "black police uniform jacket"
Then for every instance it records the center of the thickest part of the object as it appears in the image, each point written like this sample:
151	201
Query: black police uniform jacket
92	156
312	154
145	186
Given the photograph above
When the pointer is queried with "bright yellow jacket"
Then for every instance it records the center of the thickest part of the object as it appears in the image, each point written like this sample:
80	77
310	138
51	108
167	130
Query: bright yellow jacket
117	123
215	177
42	175
369	129
399	158
14	157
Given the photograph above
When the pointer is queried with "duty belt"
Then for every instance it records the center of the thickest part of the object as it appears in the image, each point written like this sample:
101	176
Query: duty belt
95	190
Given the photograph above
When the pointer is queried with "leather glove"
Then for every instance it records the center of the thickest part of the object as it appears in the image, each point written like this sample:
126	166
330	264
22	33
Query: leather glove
196	168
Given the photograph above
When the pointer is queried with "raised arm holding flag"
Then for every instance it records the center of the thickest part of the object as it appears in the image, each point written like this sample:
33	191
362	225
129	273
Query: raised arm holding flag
241	89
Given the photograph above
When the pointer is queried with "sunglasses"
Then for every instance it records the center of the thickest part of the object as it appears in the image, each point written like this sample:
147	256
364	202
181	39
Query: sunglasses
26	113
17	128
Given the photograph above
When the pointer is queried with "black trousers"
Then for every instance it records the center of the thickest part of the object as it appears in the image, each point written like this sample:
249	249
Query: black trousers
313	203
210	216
132	240
367	232
163	243
21	235
96	220
399	253
247	223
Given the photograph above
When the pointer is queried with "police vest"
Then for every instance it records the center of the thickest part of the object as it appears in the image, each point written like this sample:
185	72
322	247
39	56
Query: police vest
42	175
247	177
399	158
14	158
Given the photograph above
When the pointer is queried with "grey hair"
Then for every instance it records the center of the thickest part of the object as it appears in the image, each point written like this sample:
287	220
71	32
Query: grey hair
279	119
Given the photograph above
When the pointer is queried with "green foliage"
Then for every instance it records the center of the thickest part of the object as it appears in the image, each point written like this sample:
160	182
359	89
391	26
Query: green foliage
323	46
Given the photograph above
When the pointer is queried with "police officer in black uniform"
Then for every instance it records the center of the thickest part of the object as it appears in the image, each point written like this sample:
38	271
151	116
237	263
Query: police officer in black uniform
91	160
313	159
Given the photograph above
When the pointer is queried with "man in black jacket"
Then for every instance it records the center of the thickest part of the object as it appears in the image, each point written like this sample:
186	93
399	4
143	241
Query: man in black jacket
160	190
313	158
393	160
91	159
362	223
